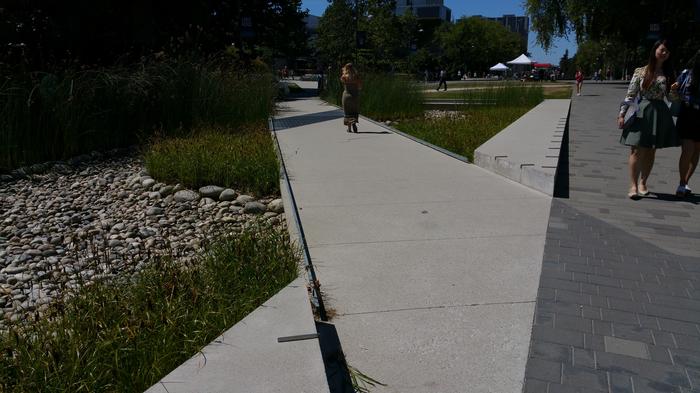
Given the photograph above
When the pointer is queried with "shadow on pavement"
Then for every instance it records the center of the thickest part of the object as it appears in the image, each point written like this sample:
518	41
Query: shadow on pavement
373	132
337	372
694	199
282	123
561	177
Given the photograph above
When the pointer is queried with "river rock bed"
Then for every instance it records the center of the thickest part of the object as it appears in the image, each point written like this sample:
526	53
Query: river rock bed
62	229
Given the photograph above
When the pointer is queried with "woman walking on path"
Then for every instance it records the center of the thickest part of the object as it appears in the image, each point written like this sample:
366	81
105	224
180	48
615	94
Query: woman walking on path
652	127
688	123
579	81
351	96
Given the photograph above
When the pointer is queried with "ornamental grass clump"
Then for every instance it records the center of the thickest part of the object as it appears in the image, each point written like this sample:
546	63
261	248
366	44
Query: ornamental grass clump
127	334
54	116
243	159
462	135
382	97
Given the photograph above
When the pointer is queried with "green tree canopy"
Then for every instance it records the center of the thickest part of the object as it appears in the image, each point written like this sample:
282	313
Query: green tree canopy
42	33
336	33
388	37
475	44
631	23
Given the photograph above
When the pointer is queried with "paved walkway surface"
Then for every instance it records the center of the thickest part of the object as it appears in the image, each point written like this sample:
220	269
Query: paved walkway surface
430	264
618	308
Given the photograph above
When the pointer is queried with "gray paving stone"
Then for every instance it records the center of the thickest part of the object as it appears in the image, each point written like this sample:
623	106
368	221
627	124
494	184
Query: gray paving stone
630	268
622	346
544	370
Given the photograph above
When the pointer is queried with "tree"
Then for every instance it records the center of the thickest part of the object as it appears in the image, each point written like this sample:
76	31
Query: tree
566	65
629	23
336	33
45	33
475	44
388	37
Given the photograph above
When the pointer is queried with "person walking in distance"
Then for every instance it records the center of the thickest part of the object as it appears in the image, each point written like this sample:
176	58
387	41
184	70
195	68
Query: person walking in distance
351	96
688	123
652	126
579	81
443	80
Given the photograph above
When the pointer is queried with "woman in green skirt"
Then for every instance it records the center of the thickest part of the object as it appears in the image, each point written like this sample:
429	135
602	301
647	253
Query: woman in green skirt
652	126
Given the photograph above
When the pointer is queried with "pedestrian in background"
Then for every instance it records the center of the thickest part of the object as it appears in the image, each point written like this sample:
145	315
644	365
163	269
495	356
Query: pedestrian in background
443	80
579	81
688	123
652	126
351	96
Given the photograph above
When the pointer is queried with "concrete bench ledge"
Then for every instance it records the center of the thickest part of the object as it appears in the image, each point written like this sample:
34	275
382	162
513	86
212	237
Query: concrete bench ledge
527	151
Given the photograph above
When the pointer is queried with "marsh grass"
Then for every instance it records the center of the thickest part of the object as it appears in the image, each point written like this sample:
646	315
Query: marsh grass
243	158
123	336
463	136
46	117
382	97
505	95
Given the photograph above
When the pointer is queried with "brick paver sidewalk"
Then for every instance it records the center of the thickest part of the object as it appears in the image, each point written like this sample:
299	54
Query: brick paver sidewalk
618	308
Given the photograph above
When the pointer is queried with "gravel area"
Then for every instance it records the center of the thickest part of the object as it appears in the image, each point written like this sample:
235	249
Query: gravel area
76	224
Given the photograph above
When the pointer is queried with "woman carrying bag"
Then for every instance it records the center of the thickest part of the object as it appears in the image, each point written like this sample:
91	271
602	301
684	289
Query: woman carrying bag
652	128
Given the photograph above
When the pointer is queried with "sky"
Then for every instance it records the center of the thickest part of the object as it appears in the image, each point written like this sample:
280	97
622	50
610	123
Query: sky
486	8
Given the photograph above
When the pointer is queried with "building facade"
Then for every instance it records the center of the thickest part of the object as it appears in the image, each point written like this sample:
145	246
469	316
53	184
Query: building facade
425	9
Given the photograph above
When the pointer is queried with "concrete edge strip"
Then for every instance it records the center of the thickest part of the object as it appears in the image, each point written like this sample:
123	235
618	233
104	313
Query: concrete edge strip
527	172
295	228
411	137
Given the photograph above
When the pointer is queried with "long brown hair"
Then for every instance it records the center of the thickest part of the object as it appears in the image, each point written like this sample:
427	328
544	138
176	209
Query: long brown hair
667	69
349	73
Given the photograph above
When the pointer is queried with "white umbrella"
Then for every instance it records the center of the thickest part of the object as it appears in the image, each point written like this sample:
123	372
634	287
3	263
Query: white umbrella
499	67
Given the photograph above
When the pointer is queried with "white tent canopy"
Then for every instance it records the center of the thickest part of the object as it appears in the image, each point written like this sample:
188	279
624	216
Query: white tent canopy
521	60
499	67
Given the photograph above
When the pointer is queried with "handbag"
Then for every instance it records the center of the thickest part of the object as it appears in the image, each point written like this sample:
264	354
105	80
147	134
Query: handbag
631	114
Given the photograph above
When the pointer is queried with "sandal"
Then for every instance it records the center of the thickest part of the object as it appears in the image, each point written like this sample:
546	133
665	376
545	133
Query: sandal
644	192
633	195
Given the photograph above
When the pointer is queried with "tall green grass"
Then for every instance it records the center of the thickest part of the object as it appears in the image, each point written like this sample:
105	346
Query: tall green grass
243	158
504	95
463	136
125	336
46	116
382	97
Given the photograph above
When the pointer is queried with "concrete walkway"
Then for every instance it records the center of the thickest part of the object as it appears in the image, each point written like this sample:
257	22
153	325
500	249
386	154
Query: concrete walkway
430	264
618	308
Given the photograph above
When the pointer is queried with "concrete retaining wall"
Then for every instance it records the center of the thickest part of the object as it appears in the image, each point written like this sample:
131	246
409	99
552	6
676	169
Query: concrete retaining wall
528	150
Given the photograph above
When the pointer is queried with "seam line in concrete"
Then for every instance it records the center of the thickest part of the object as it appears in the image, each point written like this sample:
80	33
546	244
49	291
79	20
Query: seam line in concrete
320	245
438	307
425	202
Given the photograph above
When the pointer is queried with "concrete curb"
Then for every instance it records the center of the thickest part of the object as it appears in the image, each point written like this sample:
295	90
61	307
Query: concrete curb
528	150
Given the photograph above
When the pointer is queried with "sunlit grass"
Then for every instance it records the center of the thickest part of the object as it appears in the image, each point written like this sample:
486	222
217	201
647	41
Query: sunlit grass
126	335
242	158
463	136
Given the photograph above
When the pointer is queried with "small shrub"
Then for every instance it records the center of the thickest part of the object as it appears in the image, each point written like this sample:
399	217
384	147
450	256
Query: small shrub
125	336
243	159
